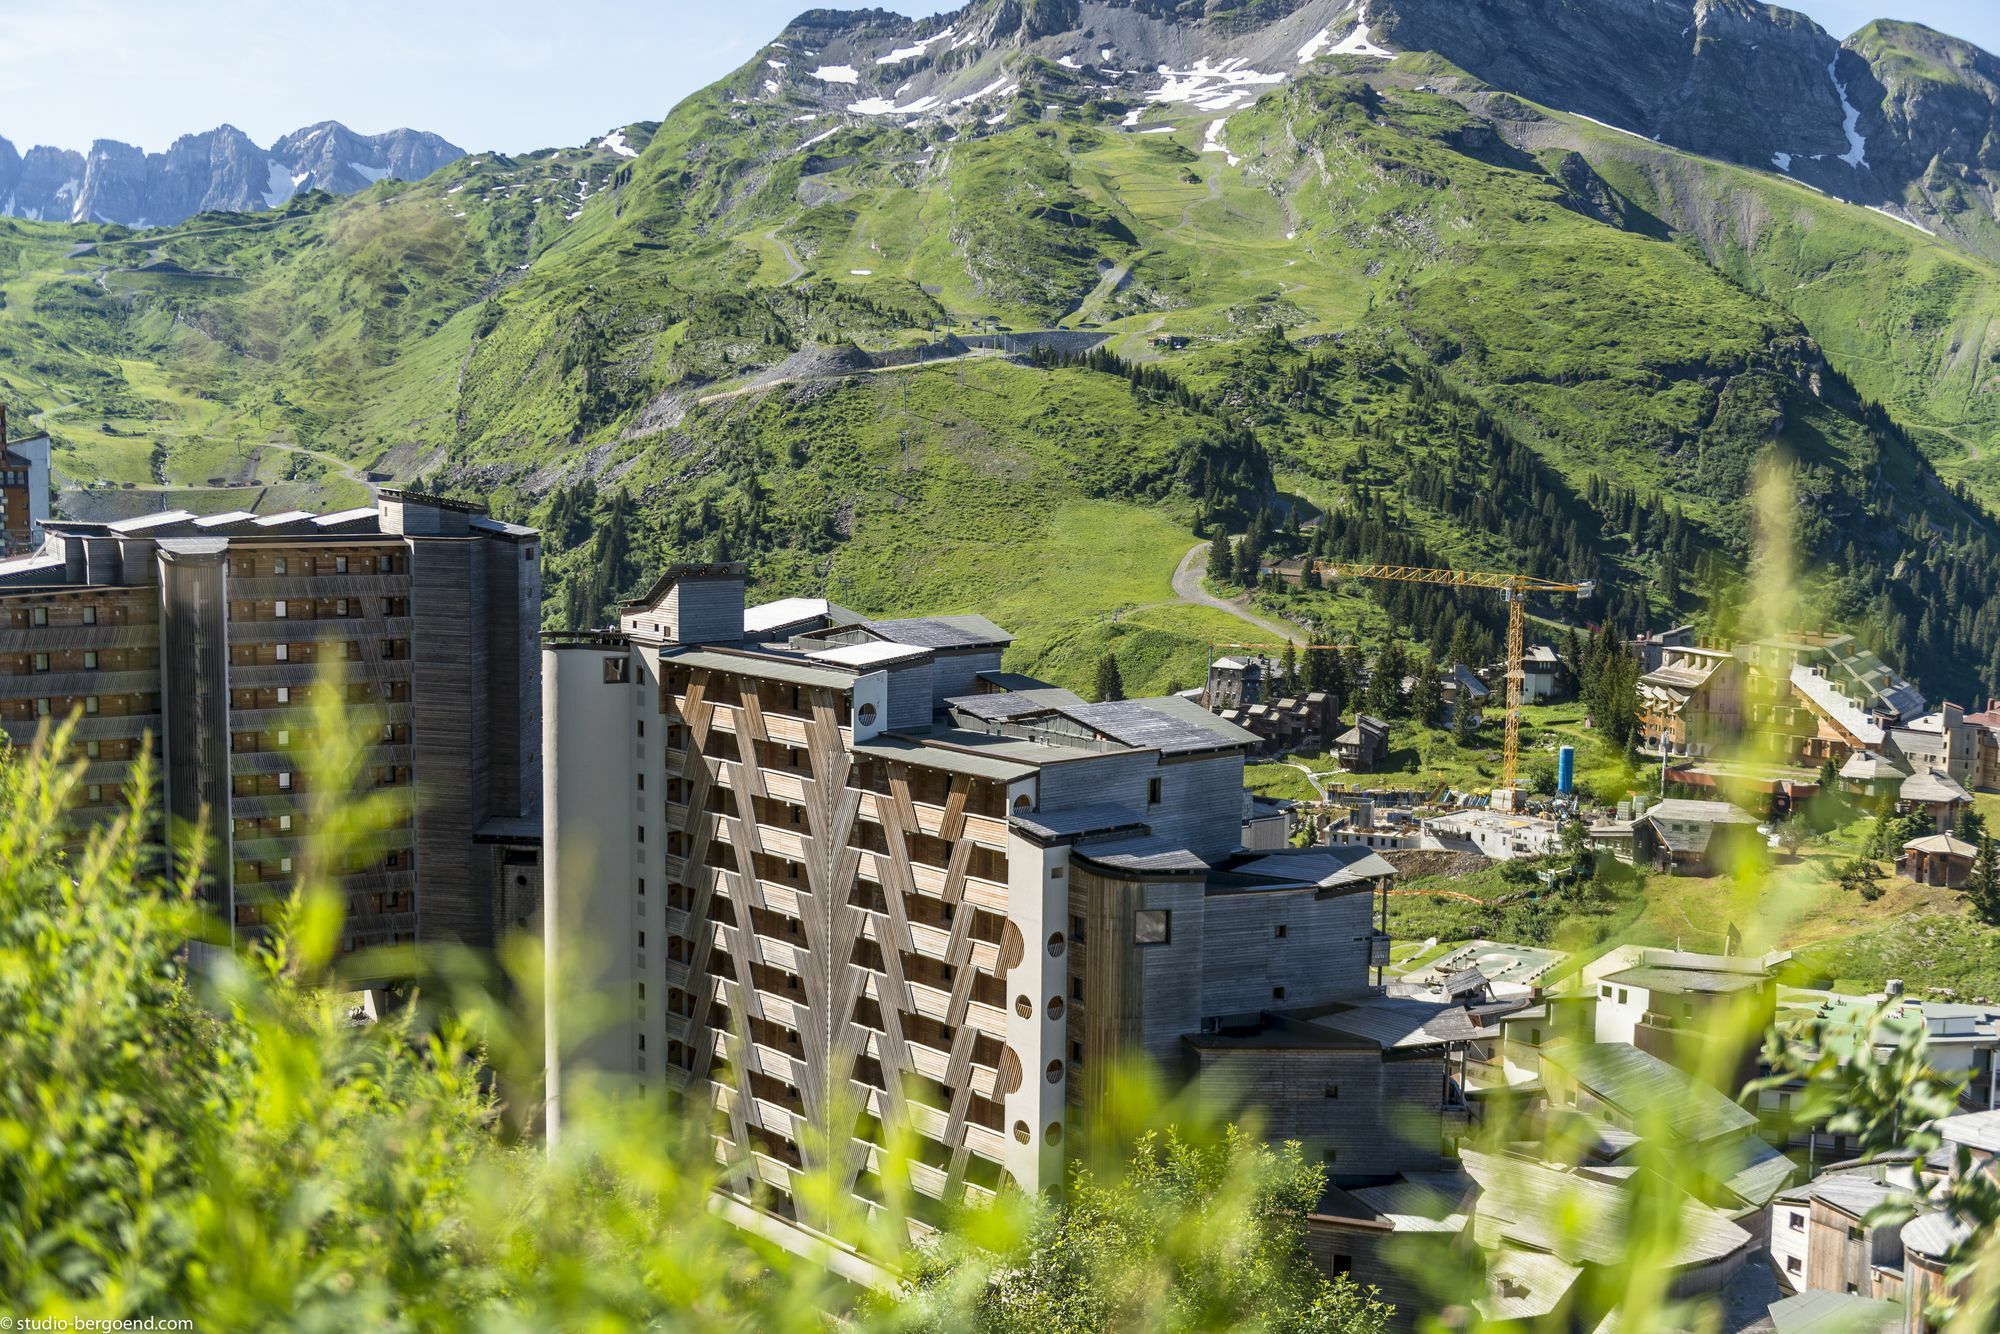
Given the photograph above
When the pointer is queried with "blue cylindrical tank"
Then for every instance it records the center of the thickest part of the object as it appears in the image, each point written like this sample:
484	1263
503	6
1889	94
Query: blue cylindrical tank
1565	769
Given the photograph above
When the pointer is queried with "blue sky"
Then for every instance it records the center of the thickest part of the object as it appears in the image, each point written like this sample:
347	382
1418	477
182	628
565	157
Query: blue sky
502	74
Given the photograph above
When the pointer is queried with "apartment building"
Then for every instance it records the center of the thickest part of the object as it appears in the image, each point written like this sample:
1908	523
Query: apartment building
203	640
24	491
834	872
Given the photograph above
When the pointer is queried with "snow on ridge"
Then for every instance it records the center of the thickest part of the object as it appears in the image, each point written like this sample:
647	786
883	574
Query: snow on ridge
775	64
1850	124
1356	43
823	134
615	143
883	106
1068	62
1783	162
1609	126
910	52
1897	217
987	91
836	74
367	173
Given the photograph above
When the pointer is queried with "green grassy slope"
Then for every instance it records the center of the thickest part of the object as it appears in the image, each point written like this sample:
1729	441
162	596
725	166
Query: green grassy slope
513	326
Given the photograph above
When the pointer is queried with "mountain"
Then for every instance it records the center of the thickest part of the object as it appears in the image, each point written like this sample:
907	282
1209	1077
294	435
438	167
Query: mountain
1438	282
221	170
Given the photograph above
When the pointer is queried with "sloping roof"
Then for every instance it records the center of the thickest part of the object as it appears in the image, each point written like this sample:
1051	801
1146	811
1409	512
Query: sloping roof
1077	821
1822	1312
1932	785
1699	812
1830	703
1524	1284
1867	766
1141	853
1977	1130
1159	724
783	614
1422	1201
1934	1235
1699	981
1760	1171
999	707
1577	1219
1326	865
1942	843
1650	1091
947	632
1395	1021
868	655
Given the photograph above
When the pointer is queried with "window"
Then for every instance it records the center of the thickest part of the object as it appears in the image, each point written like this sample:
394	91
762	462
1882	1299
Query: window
1853	1234
340	607
1076	988
284	736
1342	1264
90	704
95	793
285	865
41	616
340	565
93	750
1331	1156
527	553
284	694
1534	1037
1798	1221
90	660
41	662
278	566
284	652
1605	990
285	781
1277	993
617	671
278	610
1076	928
41	708
1152	926
1279	931
284	823
1152	791
90	616
1621	995
1333	1090
642	940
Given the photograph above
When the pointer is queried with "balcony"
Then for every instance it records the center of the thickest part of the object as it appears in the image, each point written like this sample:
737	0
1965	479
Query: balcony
89	727
929	1001
989	1144
295	713
63	638
45	685
293	759
250	675
305	586
317	629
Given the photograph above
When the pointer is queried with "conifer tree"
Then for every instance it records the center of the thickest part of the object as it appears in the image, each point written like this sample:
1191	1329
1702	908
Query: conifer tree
1221	556
1110	685
1983	886
1427	697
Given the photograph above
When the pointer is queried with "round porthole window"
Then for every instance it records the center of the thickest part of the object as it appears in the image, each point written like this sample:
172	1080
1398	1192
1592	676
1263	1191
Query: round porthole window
1022	805
1056	945
1024	1007
1053	1135
1054	1009
1055	1072
867	715
1022	1133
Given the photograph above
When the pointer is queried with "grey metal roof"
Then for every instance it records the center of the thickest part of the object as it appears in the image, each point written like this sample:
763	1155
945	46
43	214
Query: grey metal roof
1760	1171
1823	1312
960	753
1394	1021
1422	1202
968	631
1144	853
1701	981
1524	1284
1077	821
1932	785
1579	1219
1976	1130
1934	1235
762	666
1166	725
1650	1091
1002	706
141	522
1323	866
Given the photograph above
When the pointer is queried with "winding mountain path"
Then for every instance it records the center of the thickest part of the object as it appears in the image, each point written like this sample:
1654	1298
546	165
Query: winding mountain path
791	256
1187	588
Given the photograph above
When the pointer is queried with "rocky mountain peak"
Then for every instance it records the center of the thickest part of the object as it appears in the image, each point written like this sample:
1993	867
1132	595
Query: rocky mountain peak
218	169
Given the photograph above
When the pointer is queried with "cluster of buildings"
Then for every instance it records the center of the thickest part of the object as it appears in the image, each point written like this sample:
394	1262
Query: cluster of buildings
197	644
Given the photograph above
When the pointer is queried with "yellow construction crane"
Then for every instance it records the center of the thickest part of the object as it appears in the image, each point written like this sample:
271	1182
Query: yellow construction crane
1515	588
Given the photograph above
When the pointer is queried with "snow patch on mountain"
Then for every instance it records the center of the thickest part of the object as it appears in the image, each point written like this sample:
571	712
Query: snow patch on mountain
902	53
1210	86
1857	147
615	143
836	74
1212	143
278	185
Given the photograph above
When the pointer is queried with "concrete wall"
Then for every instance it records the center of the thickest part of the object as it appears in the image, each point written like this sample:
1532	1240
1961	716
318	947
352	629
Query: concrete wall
1037	908
588	868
